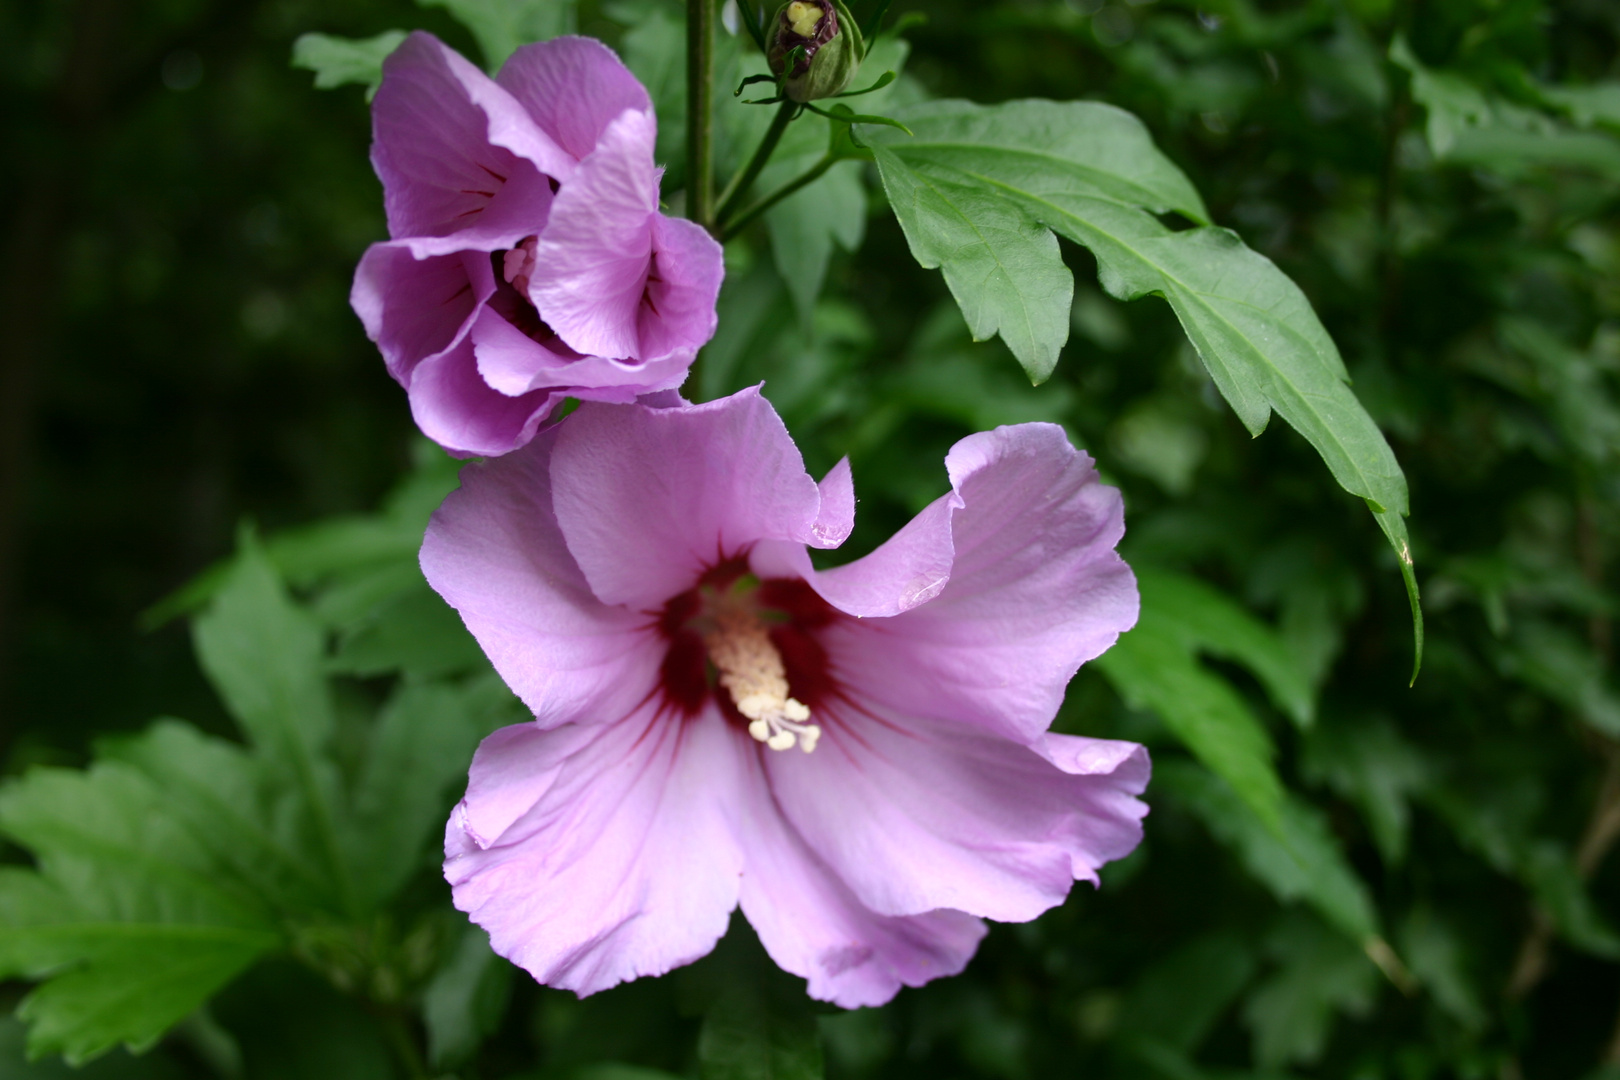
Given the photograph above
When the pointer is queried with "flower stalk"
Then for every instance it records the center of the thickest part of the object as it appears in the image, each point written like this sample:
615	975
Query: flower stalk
743	220
700	112
731	199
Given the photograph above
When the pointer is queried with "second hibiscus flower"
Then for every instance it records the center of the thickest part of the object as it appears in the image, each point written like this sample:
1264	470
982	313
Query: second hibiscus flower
529	260
859	757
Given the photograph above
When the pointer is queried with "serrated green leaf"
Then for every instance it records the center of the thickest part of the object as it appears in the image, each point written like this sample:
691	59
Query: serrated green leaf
130	919
744	1038
1208	622
466	999
265	657
757	1024
1301	861
1152	668
1565	667
501	26
1597	104
1368	762
1177	1000
1551	875
422	742
117	1065
980	190
1435	953
413	631
1291	1013
241	811
1468	126
338	61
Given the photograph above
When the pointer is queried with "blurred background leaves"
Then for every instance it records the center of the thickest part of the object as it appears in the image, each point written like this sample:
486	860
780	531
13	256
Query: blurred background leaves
1342	877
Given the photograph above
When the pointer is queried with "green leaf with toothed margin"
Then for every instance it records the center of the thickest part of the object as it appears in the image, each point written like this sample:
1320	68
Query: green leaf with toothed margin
980	192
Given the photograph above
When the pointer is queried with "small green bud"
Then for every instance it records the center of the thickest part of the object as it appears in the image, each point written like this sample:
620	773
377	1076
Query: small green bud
822	43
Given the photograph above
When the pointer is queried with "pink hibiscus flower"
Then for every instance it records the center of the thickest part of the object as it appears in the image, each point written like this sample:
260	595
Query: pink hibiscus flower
529	261
859	757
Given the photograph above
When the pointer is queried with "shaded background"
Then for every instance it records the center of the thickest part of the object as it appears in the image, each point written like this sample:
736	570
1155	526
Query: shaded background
182	215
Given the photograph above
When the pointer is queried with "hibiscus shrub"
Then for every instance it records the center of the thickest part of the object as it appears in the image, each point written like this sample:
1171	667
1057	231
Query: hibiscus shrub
775	697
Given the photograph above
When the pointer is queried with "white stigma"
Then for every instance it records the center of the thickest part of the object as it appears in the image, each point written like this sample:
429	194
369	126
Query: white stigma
751	670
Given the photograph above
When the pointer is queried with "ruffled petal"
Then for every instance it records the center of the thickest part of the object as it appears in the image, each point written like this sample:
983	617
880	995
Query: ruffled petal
814	927
623	864
455	408
593	258
514	363
457	155
916	814
573	87
650	498
494	552
416	307
1000	590
677	312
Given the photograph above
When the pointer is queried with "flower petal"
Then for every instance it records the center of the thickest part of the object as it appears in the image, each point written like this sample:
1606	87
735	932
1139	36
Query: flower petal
1033	587
812	925
513	362
677	314
416	307
494	552
455	408
593	258
573	87
624	863
457	155
650	498
916	814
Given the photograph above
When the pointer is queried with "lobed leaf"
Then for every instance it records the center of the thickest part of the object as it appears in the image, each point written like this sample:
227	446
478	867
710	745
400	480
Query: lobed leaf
1152	669
465	1001
980	192
1300	861
338	61
501	27
129	919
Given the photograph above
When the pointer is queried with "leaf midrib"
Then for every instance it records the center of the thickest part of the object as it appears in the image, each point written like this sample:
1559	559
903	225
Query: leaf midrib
1145	204
1304	398
1023	305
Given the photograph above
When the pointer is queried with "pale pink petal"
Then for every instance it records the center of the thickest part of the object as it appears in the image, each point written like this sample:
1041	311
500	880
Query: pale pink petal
999	590
515	363
495	554
624	864
677	314
650	498
573	88
812	925
837	518
592	262
416	307
916	814
455	408
457	155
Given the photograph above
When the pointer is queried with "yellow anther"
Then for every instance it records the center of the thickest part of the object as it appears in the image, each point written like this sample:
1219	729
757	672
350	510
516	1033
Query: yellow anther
804	17
751	671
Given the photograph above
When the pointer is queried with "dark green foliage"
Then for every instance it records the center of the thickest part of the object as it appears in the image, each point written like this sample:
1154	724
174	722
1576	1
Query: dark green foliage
1343	877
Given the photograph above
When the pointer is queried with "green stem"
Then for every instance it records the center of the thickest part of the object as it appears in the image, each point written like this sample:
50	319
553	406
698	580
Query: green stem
700	111
737	190
404	1046
744	219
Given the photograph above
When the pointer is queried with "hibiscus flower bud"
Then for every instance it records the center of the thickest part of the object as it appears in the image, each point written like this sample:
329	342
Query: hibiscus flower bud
815	47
